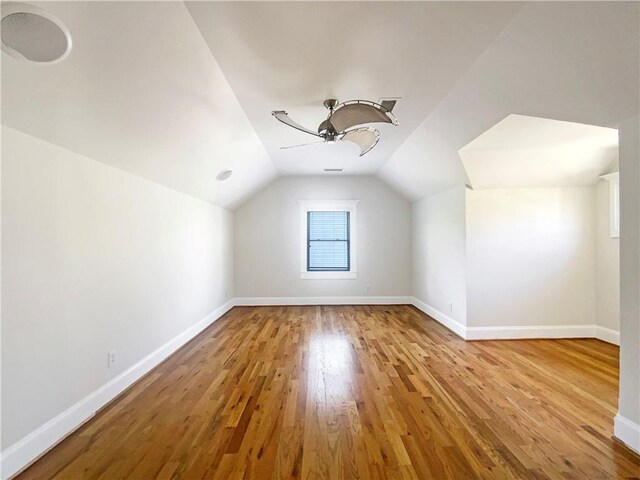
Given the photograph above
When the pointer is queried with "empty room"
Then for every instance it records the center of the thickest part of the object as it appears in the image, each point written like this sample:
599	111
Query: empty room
320	240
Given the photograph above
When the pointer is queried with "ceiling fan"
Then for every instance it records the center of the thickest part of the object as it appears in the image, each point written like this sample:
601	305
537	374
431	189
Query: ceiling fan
342	123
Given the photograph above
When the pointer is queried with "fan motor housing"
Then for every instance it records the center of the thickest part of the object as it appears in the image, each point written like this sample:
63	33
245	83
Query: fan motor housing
327	127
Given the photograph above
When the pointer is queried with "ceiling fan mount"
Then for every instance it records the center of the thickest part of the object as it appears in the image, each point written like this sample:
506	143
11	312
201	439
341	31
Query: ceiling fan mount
330	103
343	123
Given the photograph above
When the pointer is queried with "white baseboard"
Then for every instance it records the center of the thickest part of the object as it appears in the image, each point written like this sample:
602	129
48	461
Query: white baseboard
530	331
607	335
518	332
22	453
542	332
627	431
276	301
453	325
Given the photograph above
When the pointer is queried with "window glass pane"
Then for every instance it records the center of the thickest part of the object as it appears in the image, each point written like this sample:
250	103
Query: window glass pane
328	241
328	225
326	255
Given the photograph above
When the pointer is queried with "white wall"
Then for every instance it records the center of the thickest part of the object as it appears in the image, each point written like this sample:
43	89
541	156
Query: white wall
607	275
439	253
94	259
627	425
267	233
531	257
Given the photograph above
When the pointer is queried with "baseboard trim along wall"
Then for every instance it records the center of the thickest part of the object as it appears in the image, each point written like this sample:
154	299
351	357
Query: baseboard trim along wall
518	332
533	331
607	335
542	332
627	432
277	301
453	325
24	452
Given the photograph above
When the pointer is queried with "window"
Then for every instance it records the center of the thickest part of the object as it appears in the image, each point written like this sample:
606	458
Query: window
328	240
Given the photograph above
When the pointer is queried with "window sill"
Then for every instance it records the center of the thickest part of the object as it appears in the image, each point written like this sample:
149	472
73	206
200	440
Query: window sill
328	275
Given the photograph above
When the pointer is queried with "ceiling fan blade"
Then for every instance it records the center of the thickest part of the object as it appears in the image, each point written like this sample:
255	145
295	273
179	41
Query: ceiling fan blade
301	145
388	104
365	137
358	112
283	116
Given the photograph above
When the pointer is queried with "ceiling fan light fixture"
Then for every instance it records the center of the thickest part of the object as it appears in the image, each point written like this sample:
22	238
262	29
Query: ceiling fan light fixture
223	175
343	123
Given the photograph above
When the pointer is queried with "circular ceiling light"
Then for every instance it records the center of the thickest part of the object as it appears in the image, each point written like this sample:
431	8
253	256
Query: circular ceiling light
33	35
223	175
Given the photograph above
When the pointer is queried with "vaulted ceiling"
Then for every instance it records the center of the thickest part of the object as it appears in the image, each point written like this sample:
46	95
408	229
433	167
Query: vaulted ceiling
175	92
142	92
531	152
292	56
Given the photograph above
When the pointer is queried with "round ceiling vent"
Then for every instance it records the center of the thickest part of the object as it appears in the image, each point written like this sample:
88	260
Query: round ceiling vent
33	35
223	175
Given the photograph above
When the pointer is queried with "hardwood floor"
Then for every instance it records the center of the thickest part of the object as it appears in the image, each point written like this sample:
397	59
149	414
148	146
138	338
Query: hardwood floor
361	392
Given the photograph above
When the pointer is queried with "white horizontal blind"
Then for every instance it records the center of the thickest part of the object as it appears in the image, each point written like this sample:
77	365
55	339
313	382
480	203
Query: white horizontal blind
328	241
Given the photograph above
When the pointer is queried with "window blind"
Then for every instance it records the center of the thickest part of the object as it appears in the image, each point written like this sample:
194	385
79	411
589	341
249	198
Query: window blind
328	241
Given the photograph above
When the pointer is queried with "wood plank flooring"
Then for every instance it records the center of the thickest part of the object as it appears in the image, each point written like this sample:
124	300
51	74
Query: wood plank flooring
356	392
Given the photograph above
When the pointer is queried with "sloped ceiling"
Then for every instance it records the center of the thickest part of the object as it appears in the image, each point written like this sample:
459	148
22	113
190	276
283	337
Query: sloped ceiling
293	55
176	92
142	92
572	61
532	152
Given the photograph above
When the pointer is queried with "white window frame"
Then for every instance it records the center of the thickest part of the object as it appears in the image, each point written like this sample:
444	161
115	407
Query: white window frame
329	206
614	203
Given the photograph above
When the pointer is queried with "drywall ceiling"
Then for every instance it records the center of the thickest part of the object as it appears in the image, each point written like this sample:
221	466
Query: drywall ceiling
142	92
572	61
293	55
176	92
522	151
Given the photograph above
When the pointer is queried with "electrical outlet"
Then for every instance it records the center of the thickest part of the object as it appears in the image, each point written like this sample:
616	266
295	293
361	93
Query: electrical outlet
368	287
226	295
112	358
450	307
